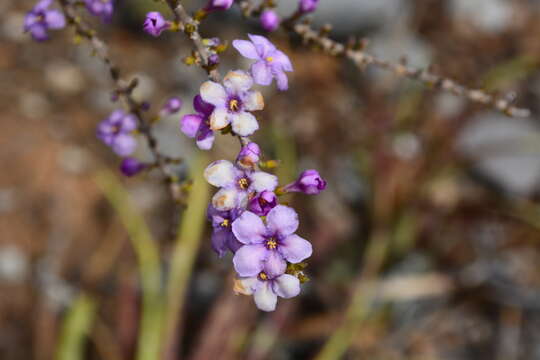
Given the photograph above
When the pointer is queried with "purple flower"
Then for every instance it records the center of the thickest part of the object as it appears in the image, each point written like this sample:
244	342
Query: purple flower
232	102
268	247
40	19
271	63
155	23
249	156
115	131
131	166
198	125
309	182
236	185
223	238
307	6
218	5
171	106
265	289
101	8
269	20
262	203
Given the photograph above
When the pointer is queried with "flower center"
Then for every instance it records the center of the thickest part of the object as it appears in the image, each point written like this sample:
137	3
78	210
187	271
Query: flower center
234	105
263	276
271	244
269	59
225	223
243	183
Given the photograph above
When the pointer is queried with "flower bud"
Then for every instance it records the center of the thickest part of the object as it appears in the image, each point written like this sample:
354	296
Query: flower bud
269	20
171	106
154	23
131	166
263	203
249	155
309	182
218	5
307	6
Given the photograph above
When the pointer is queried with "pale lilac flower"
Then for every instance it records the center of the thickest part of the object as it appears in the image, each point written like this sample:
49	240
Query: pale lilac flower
266	289
233	102
116	132
171	106
155	23
236	185
268	246
198	125
213	5
40	19
101	8
271	63
131	166
309	182
307	6
249	156
269	20
223	238
262	203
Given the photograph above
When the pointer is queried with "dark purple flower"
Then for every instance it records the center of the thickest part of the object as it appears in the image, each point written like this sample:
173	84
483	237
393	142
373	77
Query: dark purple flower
223	238
309	182
218	5
249	156
236	185
262	203
131	166
233	102
266	289
269	20
268	246
155	23
307	6
171	106
116	132
101	8
271	63
198	125
40	19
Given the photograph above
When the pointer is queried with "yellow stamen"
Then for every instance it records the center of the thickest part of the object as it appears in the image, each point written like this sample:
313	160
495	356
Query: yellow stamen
263	276
243	183
233	105
269	59
225	223
271	244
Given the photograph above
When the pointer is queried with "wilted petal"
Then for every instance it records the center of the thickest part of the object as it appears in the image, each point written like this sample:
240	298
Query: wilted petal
286	286
265	298
220	173
190	124
282	220
249	228
225	199
244	123
274	265
213	93
219	119
295	249
248	260
253	101
261	181
237	81
246	49
261	73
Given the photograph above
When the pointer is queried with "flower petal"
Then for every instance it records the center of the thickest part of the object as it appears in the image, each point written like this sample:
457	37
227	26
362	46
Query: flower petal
261	73
253	101
220	173
295	249
55	19
202	106
281	60
219	119
262	44
244	123
274	265
219	241
248	260
190	124
261	181
246	49
247	286
286	286
281	80
225	199
265	298
128	122
124	144
213	93
237	81
205	138
282	220
249	228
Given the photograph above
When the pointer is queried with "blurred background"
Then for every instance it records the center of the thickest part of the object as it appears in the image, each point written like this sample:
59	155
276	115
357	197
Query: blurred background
427	239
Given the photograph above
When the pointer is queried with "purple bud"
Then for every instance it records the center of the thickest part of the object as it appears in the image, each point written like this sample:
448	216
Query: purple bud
249	155
263	203
309	182
171	106
131	166
213	59
307	6
269	20
101	8
154	23
218	5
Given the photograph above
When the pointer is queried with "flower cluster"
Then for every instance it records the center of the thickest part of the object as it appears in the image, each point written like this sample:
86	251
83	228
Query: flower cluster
40	19
246	216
